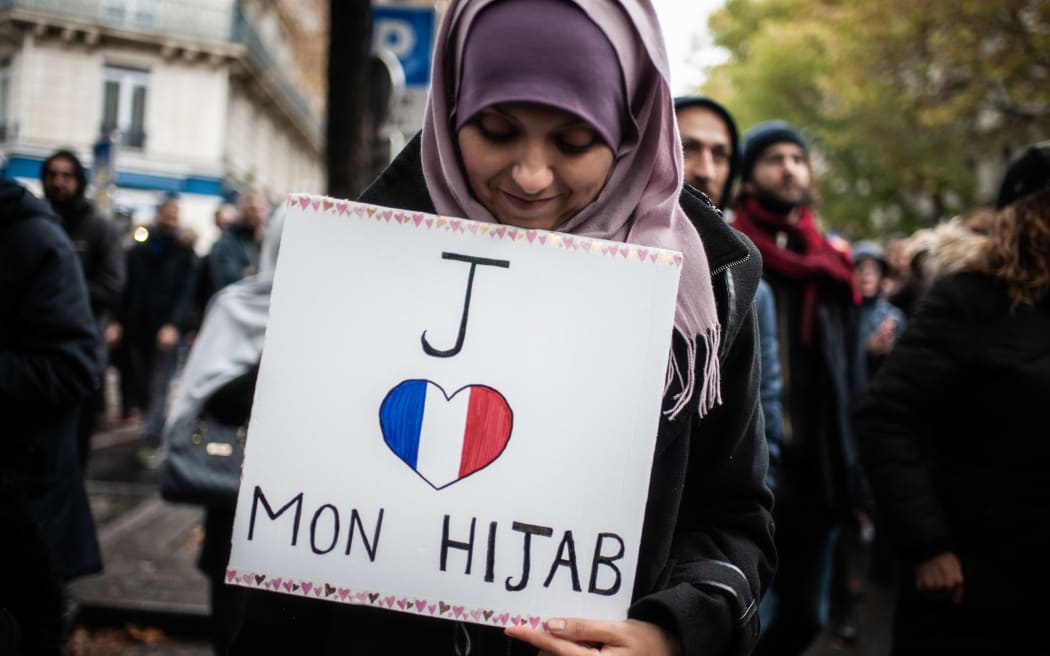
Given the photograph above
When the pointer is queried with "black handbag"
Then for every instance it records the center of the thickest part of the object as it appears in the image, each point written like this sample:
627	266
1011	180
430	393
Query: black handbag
203	464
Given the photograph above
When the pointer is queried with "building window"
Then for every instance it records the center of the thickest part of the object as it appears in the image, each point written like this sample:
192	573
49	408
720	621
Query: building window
129	12
6	130
124	104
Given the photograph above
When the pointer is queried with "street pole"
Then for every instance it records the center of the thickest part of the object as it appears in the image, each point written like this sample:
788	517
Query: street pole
349	131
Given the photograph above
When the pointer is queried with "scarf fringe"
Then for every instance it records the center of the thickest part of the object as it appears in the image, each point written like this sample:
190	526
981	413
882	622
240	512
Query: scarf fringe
710	387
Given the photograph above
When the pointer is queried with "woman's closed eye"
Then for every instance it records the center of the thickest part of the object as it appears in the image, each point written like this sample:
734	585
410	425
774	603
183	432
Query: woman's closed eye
577	139
496	129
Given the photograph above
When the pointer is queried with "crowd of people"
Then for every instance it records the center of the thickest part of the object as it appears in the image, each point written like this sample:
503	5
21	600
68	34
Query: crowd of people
79	297
148	295
826	401
855	452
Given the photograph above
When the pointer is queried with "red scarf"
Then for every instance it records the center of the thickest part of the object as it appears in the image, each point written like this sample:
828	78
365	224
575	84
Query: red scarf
818	264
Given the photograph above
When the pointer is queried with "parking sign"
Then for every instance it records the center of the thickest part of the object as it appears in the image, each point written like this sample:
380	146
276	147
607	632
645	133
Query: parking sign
408	32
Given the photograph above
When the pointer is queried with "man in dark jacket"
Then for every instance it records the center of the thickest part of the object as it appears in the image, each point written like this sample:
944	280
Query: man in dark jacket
236	253
710	147
162	274
47	368
711	154
101	259
812	282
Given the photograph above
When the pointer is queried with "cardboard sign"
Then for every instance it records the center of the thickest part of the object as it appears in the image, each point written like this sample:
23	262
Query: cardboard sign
452	418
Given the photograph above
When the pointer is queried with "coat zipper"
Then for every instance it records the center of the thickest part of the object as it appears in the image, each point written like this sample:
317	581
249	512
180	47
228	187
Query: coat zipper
726	266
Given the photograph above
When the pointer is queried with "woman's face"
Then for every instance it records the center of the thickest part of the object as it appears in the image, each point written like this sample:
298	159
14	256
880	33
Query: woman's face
868	275
531	165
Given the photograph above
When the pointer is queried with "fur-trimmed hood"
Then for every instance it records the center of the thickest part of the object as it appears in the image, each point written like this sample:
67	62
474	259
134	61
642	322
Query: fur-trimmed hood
950	247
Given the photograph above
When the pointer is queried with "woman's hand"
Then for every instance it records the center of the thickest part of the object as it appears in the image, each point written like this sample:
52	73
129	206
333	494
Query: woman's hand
941	576
575	637
881	341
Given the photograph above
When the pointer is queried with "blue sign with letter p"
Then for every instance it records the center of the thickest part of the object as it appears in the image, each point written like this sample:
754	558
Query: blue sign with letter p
408	32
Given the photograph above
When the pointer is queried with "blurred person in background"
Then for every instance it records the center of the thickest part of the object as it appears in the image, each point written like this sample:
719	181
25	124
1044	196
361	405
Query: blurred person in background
710	147
97	244
811	276
224	217
880	325
48	367
950	431
896	258
880	322
910	278
711	164
151	319
218	382
862	546
236	253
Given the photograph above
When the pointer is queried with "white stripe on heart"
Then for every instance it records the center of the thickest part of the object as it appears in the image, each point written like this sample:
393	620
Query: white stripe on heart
441	436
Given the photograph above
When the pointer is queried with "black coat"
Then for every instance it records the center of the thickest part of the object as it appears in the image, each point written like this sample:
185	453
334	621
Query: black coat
236	249
161	284
820	466
98	245
952	432
47	367
707	548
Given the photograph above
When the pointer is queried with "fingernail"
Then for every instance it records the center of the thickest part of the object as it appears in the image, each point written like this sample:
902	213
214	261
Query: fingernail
555	624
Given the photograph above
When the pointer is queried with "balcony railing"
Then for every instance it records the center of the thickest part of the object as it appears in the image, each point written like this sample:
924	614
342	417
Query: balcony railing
244	33
200	20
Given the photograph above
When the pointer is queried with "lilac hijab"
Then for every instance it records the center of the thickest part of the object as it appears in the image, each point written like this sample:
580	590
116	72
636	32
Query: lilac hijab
639	202
588	85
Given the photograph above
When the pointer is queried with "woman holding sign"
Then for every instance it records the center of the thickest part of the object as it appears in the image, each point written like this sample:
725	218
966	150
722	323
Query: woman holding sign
556	115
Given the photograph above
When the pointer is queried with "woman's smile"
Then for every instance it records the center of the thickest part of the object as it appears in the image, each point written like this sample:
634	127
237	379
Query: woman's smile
528	204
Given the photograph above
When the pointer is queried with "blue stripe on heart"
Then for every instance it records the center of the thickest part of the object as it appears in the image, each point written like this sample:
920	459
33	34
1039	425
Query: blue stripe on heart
401	416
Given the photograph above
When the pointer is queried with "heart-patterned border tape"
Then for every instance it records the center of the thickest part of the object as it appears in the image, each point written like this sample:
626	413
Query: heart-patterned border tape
415	605
543	238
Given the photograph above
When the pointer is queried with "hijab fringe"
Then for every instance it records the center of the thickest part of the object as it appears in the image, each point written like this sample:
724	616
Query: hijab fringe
710	387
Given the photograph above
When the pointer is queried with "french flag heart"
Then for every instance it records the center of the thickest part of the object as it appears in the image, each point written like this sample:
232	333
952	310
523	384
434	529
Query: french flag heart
442	437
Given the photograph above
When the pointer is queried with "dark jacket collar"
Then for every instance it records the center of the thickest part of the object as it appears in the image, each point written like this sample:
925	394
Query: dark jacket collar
75	212
402	184
724	245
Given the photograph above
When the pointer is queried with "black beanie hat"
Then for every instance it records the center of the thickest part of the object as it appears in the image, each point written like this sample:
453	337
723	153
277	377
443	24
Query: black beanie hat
1027	174
78	168
763	136
682	102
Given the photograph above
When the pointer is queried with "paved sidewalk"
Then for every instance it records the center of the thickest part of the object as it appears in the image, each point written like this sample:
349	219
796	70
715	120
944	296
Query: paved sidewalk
150	599
149	555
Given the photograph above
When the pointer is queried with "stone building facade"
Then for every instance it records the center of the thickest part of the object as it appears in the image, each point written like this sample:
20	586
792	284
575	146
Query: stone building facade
203	98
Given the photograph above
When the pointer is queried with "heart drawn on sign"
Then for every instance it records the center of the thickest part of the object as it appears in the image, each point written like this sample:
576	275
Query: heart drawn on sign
445	437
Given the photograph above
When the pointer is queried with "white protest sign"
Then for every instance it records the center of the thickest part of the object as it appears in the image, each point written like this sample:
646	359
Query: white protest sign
452	418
